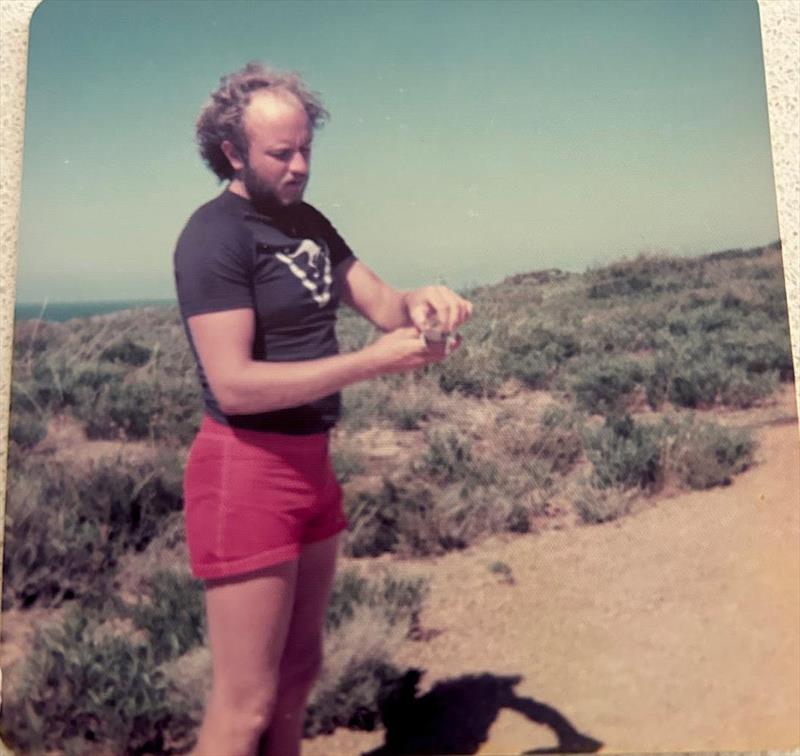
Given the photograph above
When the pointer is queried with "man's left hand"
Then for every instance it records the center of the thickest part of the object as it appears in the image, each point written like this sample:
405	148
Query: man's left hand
437	305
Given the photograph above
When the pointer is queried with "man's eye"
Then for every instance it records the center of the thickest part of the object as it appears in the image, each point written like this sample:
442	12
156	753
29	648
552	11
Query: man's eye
283	155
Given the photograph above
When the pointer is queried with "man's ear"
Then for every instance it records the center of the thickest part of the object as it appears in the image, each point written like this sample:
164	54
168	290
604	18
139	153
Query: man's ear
233	155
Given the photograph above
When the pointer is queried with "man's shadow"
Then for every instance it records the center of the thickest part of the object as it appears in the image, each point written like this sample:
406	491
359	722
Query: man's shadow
454	717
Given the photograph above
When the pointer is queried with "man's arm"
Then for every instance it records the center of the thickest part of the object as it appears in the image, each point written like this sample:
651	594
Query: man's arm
388	308
243	386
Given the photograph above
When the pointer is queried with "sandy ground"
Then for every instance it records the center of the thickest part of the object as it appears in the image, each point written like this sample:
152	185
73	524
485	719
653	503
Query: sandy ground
672	630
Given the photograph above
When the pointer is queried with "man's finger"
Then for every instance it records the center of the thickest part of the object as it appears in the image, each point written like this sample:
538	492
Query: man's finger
420	314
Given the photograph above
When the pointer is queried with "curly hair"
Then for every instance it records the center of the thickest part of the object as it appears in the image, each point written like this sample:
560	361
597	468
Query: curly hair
222	116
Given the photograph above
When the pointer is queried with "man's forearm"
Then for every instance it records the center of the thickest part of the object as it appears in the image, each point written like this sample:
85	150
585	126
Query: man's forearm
267	386
394	310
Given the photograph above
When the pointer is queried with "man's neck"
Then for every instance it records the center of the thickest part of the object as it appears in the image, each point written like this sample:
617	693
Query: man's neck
237	187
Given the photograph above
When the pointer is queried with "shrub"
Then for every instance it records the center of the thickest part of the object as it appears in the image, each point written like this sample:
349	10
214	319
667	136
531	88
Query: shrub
81	692
143	409
352	698
407	410
366	625
373	521
644	275
365	403
703	455
696	384
449	459
657	380
503	570
742	389
347	462
122	411
407	518
399	600
555	416
518	519
561	447
66	529
532	355
470	371
173	614
759	352
604	387
26	429
127	352
598	505
624	454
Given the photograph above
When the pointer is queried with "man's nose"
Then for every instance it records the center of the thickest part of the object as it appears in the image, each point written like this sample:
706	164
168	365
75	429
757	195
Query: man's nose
299	164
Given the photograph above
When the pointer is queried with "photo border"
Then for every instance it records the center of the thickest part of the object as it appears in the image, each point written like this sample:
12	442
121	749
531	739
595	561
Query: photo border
780	32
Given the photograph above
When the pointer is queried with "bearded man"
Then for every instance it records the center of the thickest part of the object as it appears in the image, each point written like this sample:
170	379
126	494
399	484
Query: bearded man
259	275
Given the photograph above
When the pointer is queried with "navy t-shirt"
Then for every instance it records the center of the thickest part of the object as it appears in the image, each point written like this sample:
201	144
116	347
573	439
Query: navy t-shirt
284	266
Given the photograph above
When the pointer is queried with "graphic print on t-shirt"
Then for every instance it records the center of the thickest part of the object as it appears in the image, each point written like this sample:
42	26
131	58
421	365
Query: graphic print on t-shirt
311	265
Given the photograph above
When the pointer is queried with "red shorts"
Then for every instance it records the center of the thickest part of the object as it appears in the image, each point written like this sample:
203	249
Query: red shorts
252	499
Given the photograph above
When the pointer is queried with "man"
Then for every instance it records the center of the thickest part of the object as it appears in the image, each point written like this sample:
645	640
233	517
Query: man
259	275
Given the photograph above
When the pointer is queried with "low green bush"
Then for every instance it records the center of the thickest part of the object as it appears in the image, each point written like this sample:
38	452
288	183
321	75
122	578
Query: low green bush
657	377
645	275
172	613
560	447
412	519
624	454
26	429
604	387
408	411
449	459
400	600
83	692
347	462
471	371
67	528
742	389
364	404
126	351
704	454
353	699
695	383
401	517
598	505
756	351
533	353
367	621
158	409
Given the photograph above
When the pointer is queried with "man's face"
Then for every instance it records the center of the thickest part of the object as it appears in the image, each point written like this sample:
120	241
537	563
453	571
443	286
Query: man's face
276	170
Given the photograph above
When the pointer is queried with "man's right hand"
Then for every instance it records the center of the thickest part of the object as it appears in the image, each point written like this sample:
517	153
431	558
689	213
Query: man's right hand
402	349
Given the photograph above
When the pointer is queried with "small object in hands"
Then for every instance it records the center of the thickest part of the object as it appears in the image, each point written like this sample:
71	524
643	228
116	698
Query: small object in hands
437	340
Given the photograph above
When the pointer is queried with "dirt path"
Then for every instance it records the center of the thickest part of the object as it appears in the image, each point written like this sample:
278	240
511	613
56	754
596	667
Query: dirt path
672	630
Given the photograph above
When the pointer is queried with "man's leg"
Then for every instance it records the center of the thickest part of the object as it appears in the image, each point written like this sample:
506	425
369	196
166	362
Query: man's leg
302	657
248	621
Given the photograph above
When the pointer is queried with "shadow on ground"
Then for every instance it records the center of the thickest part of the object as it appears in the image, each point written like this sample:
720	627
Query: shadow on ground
454	717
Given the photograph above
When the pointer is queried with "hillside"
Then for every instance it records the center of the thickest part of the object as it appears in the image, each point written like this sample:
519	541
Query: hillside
577	447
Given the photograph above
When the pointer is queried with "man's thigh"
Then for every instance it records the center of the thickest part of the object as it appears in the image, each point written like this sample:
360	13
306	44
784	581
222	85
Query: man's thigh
248	623
315	572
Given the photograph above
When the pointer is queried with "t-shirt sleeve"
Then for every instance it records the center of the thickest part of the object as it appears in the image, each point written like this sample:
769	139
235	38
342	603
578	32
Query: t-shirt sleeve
213	271
337	246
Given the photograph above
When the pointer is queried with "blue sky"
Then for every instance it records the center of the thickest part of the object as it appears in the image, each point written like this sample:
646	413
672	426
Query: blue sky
468	140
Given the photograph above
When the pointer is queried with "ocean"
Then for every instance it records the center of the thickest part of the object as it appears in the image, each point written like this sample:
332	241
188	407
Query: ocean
60	311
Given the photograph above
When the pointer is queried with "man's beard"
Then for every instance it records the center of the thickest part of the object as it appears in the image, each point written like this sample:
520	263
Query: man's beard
262	195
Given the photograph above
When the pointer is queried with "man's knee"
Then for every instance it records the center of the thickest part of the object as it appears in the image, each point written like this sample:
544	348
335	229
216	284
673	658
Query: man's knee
246	713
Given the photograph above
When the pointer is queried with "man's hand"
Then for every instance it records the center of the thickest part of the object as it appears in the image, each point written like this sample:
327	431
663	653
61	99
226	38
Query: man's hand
437	306
401	350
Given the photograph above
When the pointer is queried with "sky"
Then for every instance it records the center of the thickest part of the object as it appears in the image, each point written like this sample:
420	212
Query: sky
469	139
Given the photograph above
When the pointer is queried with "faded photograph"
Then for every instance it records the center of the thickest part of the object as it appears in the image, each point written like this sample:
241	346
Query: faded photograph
398	378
